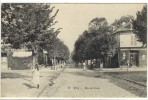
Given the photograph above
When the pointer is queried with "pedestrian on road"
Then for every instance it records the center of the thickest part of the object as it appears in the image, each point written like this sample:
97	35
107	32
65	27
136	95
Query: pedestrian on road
35	77
101	66
84	66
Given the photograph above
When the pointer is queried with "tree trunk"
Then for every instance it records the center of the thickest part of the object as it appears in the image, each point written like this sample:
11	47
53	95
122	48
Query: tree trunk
76	64
34	57
34	61
91	67
81	64
86	63
96	63
45	60
101	64
99	61
104	61
109	62
54	63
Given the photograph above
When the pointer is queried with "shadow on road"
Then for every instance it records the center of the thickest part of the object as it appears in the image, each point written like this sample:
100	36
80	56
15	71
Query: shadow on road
12	75
86	74
28	85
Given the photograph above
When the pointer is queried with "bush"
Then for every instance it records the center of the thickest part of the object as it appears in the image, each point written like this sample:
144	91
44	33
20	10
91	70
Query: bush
17	63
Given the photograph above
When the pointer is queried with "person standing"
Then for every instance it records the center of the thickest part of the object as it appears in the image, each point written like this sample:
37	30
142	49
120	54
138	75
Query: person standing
128	64
101	66
36	76
84	66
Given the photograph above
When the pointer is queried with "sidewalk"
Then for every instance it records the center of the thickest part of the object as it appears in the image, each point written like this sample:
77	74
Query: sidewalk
121	69
17	83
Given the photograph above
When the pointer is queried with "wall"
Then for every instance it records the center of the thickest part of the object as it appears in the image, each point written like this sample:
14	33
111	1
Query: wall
142	58
128	39
17	63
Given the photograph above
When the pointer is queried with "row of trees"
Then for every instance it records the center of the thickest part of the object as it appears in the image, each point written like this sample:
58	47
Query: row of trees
32	26
97	42
58	50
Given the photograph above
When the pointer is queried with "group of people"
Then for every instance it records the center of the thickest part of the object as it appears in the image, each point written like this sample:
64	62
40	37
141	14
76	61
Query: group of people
92	64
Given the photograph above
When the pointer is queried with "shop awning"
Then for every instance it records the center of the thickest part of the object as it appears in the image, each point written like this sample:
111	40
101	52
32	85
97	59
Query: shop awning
22	54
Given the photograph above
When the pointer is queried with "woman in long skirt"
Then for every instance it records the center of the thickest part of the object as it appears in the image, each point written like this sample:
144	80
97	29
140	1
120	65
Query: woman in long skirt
36	76
84	65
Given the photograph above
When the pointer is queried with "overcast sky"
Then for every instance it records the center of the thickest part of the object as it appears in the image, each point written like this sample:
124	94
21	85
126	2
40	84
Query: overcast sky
74	18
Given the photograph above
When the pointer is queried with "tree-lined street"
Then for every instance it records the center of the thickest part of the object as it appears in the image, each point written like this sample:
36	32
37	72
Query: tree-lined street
69	82
102	52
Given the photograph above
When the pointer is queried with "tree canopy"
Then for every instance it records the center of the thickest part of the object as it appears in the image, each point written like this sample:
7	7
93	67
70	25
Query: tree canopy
58	50
140	25
123	19
28	24
96	42
32	26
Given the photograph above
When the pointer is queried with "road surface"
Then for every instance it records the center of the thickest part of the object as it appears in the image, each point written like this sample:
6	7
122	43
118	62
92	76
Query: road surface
77	83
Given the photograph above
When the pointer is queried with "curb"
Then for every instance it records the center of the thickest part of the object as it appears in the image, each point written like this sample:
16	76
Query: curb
55	76
132	81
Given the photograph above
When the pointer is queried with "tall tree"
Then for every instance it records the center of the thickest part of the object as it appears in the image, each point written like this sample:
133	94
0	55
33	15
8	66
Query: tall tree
79	49
96	42
61	50
123	19
97	26
140	25
58	50
28	24
97	23
103	46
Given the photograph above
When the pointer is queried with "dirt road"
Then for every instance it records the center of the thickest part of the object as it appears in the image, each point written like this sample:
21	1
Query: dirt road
76	83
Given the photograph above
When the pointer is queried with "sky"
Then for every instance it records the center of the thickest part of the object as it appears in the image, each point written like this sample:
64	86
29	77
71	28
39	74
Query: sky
74	18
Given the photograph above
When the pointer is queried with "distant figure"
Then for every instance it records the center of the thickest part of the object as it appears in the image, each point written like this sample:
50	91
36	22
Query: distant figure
101	66
92	65
84	66
36	77
128	63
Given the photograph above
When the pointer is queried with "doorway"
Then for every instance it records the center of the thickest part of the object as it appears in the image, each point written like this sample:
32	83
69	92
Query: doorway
134	61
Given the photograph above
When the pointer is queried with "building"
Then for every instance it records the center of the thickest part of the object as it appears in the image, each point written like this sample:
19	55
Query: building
130	50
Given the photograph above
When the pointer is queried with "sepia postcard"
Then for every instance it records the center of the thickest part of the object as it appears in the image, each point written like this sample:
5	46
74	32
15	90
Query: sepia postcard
74	50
